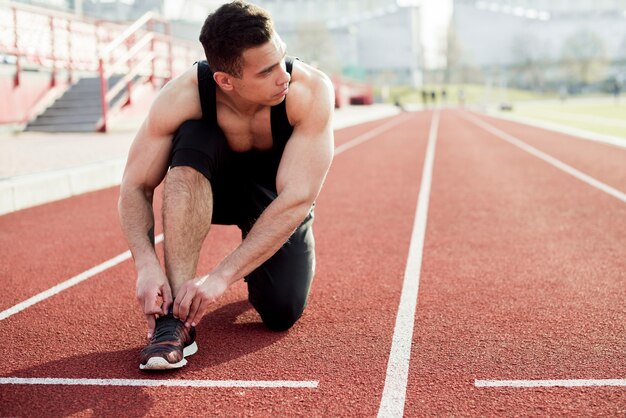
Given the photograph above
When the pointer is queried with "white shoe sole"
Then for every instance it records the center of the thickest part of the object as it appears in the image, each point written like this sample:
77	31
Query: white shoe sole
159	363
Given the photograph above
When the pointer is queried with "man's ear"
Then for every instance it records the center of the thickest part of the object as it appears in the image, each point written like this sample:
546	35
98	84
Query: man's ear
223	80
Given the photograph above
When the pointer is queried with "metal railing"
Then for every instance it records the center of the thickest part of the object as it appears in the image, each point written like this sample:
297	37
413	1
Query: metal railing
35	37
40	38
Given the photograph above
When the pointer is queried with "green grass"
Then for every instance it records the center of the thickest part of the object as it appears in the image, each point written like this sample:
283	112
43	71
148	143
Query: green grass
473	94
601	116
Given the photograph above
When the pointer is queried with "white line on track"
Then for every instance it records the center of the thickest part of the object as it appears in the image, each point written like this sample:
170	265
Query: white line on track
126	255
394	392
306	384
369	135
69	283
549	383
546	157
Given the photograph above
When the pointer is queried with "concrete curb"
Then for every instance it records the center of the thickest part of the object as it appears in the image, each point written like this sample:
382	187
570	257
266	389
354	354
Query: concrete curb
29	190
24	191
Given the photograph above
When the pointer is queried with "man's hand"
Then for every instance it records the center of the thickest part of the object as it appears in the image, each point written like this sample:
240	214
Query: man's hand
195	296
153	294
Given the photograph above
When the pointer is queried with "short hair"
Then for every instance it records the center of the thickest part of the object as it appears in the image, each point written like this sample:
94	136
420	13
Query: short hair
230	30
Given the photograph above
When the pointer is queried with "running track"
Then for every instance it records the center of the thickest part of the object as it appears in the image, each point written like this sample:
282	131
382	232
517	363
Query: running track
516	252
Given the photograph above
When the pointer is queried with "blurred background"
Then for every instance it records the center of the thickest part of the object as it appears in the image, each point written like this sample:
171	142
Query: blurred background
411	53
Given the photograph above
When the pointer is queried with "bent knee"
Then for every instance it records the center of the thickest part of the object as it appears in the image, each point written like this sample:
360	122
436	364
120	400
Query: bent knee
281	318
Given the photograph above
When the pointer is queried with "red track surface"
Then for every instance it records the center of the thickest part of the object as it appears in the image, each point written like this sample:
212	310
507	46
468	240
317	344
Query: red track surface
523	277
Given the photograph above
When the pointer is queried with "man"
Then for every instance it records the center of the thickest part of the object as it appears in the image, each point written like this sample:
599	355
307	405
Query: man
247	137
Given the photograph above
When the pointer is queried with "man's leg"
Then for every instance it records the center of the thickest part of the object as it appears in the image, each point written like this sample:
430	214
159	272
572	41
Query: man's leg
279	288
187	210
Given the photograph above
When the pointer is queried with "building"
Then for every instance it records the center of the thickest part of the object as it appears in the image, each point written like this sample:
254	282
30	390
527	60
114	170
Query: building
510	33
370	40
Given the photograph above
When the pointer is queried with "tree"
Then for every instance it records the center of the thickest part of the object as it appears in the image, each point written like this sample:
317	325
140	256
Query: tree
584	57
531	55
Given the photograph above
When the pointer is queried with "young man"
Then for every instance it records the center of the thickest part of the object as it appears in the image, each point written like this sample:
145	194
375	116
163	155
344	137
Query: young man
247	137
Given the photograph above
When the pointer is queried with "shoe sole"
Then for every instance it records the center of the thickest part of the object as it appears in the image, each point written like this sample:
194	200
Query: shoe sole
159	363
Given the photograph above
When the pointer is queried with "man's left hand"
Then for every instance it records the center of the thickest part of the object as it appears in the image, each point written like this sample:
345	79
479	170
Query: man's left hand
195	297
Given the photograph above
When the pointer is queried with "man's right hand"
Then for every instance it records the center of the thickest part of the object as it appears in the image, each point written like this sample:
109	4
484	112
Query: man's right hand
154	294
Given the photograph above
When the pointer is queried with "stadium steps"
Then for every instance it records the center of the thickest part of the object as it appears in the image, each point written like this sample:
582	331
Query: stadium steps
78	110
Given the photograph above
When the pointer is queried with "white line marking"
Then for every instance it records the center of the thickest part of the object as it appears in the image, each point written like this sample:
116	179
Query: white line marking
369	135
394	392
69	283
307	384
547	158
548	383
126	255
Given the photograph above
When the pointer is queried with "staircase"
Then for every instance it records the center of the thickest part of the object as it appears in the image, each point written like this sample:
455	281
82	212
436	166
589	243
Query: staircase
78	110
100	50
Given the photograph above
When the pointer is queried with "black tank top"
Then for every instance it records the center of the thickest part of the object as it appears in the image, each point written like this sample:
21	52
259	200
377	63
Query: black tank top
281	129
263	165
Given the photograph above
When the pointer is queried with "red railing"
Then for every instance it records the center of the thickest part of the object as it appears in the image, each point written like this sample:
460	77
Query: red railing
40	38
139	53
36	37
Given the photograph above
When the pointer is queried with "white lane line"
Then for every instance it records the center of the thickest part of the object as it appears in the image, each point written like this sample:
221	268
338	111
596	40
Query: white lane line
306	384
549	383
547	158
370	135
394	392
69	283
126	255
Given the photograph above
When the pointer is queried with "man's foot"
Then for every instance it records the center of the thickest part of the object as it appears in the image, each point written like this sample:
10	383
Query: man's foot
169	345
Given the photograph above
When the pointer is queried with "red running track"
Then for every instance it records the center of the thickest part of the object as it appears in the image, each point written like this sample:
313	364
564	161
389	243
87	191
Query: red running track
523	278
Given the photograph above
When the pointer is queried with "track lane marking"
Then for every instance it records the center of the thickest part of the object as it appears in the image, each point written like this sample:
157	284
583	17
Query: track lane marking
305	384
546	157
126	255
370	135
69	283
549	383
394	392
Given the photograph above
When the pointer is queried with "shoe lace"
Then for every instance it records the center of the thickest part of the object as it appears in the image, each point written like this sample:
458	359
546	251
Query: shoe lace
167	329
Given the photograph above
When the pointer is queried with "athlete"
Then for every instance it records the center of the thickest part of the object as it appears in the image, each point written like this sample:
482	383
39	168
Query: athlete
244	138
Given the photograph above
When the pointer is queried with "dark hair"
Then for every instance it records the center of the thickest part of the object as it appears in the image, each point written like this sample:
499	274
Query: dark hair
231	29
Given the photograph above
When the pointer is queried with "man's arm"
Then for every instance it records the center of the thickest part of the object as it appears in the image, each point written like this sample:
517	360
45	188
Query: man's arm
145	169
301	173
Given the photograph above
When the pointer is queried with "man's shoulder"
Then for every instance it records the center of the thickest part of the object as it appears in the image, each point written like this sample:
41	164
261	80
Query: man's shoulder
311	89
310	77
177	101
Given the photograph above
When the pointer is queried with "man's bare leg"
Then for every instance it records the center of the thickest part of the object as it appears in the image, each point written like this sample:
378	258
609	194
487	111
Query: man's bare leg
187	210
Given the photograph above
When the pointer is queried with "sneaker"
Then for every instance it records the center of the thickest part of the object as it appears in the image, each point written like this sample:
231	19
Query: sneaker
169	345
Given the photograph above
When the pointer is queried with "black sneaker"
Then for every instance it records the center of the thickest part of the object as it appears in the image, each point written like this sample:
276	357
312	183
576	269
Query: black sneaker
169	345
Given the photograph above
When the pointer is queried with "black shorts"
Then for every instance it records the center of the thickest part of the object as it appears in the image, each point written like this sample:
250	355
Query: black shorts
243	185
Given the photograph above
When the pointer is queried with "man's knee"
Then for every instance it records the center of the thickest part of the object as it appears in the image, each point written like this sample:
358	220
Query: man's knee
280	316
185	179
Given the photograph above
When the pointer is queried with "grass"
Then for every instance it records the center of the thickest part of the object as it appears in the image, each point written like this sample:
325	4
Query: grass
472	93
605	116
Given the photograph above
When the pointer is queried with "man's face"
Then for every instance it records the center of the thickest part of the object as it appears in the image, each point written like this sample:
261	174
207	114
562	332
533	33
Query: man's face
264	77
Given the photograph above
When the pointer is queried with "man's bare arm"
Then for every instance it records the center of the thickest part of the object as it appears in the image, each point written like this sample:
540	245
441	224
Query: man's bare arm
145	169
301	173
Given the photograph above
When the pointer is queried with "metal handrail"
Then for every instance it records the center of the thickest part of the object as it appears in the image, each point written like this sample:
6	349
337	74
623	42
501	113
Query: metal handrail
51	54
44	38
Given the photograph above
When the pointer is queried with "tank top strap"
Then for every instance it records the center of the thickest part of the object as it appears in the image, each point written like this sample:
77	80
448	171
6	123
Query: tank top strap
281	129
206	88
